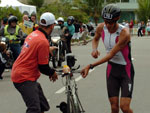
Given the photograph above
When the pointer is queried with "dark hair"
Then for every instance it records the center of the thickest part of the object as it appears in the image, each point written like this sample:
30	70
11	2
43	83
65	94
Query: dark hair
5	20
33	14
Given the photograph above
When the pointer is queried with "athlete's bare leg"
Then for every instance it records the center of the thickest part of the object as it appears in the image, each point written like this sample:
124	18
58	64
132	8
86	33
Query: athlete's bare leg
125	105
114	101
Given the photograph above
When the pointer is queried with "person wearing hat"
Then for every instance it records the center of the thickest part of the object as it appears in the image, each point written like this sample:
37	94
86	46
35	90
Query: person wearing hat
120	70
32	61
4	22
33	19
14	33
25	29
69	30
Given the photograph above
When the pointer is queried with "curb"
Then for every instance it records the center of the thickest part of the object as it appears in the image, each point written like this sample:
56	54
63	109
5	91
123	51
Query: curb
80	42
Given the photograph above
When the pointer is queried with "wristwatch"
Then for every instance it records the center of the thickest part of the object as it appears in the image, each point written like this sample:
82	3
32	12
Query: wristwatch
91	66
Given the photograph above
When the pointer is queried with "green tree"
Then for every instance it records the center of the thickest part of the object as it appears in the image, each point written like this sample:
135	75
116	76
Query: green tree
37	3
143	11
114	1
5	11
65	9
94	8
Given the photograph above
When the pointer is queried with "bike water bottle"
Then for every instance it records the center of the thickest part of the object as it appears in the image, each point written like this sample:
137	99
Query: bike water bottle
66	69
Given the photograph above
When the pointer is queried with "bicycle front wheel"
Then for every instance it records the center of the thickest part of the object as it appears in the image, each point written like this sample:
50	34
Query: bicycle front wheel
73	104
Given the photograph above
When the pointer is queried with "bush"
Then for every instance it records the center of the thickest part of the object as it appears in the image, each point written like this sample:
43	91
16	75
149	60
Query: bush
5	11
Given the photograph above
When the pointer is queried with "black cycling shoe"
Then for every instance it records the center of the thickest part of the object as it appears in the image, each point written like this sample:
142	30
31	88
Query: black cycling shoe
1	77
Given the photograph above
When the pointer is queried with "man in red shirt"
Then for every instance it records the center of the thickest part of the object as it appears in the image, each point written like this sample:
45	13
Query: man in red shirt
33	59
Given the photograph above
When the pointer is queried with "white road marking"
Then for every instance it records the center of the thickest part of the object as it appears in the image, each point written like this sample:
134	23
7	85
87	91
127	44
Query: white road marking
61	90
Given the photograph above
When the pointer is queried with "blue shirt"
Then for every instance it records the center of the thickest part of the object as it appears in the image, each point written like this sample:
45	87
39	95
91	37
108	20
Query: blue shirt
71	28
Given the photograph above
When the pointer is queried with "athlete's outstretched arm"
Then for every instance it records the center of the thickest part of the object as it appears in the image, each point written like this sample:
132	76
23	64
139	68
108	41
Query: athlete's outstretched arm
124	38
95	53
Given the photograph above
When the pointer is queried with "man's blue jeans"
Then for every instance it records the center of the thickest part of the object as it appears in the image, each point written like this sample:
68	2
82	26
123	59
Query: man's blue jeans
16	49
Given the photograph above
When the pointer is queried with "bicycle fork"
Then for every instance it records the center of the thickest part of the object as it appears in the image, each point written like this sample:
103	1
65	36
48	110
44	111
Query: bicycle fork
77	100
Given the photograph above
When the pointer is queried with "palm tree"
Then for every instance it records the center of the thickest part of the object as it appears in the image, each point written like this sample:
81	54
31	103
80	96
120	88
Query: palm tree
143	11
95	7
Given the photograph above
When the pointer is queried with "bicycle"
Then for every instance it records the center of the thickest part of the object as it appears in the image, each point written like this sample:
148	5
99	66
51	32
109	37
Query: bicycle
73	104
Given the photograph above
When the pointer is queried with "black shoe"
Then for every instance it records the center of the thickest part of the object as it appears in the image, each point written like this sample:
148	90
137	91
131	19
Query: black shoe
1	77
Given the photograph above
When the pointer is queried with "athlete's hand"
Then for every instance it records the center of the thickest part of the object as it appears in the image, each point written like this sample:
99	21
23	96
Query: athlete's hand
85	71
54	77
95	53
51	49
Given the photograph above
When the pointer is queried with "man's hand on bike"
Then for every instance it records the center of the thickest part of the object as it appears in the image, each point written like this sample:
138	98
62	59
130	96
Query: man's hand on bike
51	49
54	77
95	53
85	71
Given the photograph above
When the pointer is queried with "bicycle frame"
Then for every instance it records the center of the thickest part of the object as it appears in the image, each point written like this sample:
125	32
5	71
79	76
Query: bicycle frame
73	104
72	96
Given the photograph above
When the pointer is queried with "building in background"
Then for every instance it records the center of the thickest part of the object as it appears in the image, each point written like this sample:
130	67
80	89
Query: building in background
128	9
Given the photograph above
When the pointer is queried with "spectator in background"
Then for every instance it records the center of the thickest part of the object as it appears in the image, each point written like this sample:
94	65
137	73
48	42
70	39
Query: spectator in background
131	24
4	22
69	30
143	27
140	29
148	27
33	19
60	21
25	29
123	22
127	24
76	35
90	27
84	34
14	33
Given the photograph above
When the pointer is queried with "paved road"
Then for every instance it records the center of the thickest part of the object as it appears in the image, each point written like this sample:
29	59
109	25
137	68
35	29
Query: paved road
92	90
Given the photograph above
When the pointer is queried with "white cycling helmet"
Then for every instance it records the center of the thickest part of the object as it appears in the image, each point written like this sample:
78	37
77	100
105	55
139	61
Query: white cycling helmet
60	19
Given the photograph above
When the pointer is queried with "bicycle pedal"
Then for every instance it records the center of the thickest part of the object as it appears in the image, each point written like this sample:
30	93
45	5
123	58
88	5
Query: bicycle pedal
62	107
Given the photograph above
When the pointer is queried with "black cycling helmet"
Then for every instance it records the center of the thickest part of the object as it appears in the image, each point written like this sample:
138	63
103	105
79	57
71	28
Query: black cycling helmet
110	12
12	19
71	18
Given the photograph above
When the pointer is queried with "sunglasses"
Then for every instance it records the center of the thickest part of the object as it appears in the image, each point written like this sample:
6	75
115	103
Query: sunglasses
110	22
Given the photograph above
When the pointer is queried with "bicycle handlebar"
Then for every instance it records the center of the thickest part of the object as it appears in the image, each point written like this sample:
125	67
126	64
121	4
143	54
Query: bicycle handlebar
73	70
